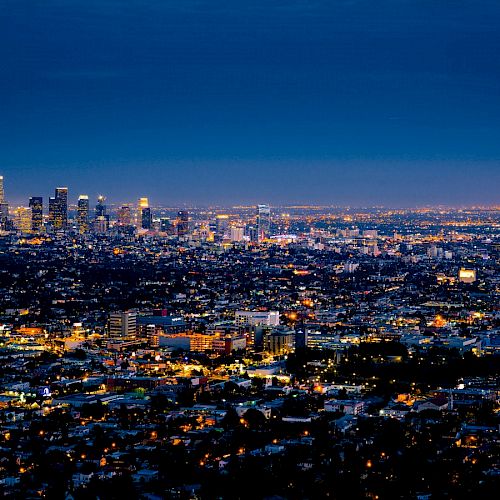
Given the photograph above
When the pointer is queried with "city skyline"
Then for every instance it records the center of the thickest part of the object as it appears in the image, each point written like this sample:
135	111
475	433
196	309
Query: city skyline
346	103
74	197
249	250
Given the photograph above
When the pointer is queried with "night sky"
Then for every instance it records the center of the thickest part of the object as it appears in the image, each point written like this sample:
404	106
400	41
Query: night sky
369	102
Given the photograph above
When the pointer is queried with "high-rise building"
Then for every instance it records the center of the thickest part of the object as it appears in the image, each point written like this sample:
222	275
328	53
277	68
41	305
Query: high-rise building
62	203
22	219
83	214
182	223
36	205
100	208
236	234
101	221
4	207
166	225
52	211
58	209
142	203
122	324
263	222
146	218
124	216
221	226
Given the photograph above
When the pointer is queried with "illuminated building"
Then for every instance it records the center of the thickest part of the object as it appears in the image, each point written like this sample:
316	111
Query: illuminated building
221	226
22	219
182	223
36	205
253	318
100	208
58	209
466	275
122	324
229	343
101	221
166	225
236	234
263	222
62	202
124	216
141	205
279	341
83	214
4	206
146	218
52	210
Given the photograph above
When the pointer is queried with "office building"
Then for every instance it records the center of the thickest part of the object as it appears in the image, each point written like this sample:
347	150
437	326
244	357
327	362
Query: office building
146	218
263	222
122	324
101	221
100	208
124	216
4	207
253	318
280	341
141	205
58	209
52	211
166	225
83	214
62	203
236	234
221	227
182	223
22	219
36	206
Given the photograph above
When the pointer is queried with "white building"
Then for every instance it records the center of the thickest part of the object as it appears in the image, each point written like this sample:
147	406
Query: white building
256	318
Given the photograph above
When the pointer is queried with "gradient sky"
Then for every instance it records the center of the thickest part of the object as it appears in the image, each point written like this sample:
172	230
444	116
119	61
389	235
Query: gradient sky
360	102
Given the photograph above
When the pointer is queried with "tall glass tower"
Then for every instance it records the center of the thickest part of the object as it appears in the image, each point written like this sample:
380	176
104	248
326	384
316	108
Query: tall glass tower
58	209
182	223
83	214
263	222
36	205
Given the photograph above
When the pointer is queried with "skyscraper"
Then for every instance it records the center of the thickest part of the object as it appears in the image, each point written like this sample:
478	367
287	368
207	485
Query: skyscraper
36	205
146	218
83	214
141	205
263	222
100	208
58	209
62	204
22	219
124	216
52	211
101	222
236	234
221	226
182	223
4	207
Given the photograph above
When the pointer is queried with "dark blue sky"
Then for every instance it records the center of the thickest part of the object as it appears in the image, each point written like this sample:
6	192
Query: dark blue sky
393	102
